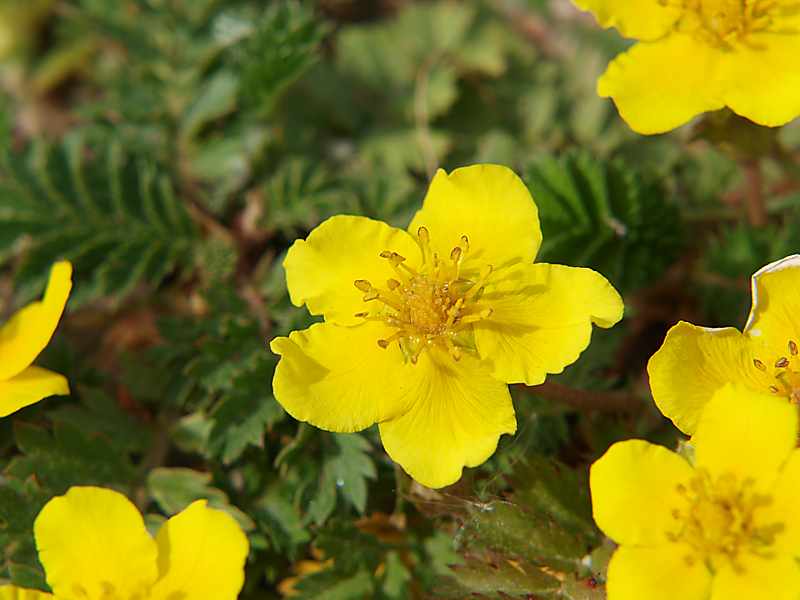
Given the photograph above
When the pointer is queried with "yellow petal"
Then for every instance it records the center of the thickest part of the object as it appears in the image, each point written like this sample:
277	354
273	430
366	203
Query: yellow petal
775	314
762	78
201	555
660	573
745	433
27	333
28	387
458	415
693	363
661	85
634	489
491	206
12	592
643	19
542	319
776	578
321	269
338	379
783	508
93	544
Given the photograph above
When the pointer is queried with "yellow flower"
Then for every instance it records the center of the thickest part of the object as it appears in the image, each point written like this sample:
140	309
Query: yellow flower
424	329
694	361
23	337
724	528
701	55
93	545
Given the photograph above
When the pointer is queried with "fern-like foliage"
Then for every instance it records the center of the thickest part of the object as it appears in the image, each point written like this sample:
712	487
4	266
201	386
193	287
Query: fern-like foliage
602	215
115	217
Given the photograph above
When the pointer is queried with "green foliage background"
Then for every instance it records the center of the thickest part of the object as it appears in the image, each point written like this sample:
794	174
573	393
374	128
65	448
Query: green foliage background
173	149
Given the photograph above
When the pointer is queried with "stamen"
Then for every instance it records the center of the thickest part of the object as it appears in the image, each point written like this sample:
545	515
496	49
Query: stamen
393	284
792	348
782	363
759	365
363	285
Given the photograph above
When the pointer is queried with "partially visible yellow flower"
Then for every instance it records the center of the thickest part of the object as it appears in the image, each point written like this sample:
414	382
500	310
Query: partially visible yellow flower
724	528
93	545
23	337
694	361
701	55
423	329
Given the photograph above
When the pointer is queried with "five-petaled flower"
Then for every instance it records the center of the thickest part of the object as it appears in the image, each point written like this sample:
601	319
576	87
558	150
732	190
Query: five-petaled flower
701	55
93	545
694	361
723	528
23	337
424	329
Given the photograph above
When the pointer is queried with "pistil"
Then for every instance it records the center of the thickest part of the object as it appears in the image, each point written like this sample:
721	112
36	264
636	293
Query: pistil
431	306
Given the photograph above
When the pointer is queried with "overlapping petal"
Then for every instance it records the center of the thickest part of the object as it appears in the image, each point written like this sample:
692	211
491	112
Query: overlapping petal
488	203
459	413
28	387
634	489
658	573
661	85
783	507
775	314
27	333
775	578
643	19
745	433
321	269
762	81
339	379
542	319
693	363
201	555
93	544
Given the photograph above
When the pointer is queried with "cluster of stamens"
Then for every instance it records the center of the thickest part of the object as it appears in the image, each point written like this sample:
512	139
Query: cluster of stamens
431	306
719	520
786	373
723	23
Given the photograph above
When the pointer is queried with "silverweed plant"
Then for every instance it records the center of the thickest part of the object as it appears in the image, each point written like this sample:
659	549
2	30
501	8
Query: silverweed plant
399	299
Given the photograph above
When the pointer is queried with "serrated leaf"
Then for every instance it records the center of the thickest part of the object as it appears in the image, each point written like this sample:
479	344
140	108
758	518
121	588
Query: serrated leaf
115	217
502	578
176	488
604	216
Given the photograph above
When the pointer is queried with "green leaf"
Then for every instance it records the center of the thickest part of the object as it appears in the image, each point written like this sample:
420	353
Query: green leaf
176	488
332	585
602	215
115	217
497	580
282	47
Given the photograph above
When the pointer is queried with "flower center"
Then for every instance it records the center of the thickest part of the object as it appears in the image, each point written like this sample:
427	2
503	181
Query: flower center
786	373
723	23
433	306
719	520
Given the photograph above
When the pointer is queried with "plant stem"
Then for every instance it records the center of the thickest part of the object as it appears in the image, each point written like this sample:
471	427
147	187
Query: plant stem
754	187
585	400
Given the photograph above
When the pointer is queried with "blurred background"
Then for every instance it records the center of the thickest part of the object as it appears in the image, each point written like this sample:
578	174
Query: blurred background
173	149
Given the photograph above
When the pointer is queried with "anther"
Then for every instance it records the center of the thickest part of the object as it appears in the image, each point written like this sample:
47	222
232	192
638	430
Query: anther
361	314
455	254
393	284
465	243
774	389
782	363
423	235
759	365
792	348
363	285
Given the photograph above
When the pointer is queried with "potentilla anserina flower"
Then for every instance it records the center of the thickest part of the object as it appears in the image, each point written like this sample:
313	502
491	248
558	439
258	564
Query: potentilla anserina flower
23	337
694	362
93	545
723	526
695	56
423	329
